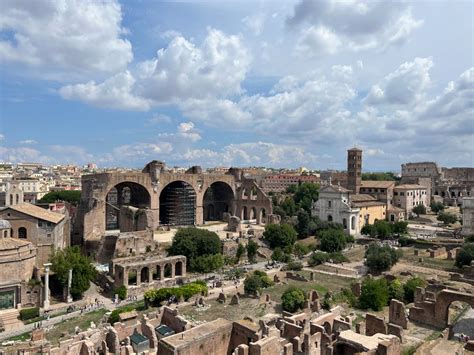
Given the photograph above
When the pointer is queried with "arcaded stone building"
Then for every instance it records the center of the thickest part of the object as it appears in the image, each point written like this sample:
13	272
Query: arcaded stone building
45	229
449	185
154	197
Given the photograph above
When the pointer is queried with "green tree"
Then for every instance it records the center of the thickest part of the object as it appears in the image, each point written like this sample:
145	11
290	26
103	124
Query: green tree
121	292
83	272
300	250
279	255
293	299
447	217
374	294
400	227
73	197
303	225
197	243
318	257
436	206
369	230
410	286
252	248
289	207
255	281
333	240
240	252
419	210
395	290
465	255
207	263
305	194
381	257
279	235
379	176
383	229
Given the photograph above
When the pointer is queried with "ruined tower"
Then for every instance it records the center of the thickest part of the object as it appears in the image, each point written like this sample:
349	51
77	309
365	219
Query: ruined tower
354	169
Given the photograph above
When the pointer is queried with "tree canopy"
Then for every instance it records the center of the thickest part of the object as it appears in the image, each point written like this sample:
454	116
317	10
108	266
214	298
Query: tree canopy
83	272
198	244
419	209
255	281
374	294
71	196
380	176
252	248
333	240
436	206
293	299
447	217
410	286
381	257
465	255
280	235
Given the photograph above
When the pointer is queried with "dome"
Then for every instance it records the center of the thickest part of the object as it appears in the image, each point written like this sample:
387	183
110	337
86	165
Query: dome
4	224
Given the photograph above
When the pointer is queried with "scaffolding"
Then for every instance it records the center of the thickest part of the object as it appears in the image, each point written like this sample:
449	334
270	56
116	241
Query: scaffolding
178	205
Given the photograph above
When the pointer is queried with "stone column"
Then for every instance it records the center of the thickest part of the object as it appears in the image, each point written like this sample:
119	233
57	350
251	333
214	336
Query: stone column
125	276
46	285
162	272
150	273
69	286
139	276
173	268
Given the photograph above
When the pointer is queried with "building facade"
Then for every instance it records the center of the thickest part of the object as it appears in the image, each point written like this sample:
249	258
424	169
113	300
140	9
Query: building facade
407	196
468	216
279	183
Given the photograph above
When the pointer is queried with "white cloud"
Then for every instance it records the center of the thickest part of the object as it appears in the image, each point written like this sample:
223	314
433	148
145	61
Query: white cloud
187	131
64	37
158	119
405	86
28	141
254	23
2	137
333	26
24	154
180	71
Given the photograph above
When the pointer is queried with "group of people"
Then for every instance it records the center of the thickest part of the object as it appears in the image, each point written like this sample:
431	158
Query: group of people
464	338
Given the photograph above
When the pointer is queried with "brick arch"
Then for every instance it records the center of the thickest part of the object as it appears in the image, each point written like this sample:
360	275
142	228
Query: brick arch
444	300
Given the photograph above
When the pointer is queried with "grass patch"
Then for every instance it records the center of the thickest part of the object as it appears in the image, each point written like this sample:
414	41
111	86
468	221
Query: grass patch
433	336
83	322
409	350
21	337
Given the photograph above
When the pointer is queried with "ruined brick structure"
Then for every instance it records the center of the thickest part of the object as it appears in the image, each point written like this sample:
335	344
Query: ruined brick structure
135	201
447	184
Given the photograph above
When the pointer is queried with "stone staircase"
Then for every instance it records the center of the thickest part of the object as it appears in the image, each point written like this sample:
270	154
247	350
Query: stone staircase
9	319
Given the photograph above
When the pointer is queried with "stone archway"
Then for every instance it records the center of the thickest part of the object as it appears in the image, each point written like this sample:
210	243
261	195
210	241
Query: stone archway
124	194
178	269
218	199
144	275
178	204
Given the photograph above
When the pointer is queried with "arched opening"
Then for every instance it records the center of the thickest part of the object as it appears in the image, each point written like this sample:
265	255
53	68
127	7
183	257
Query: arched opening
217	200
253	193
253	213
344	223
132	277
436	192
453	194
263	215
144	275
459	316
168	271
178	204
22	233
178	268
11	200
245	214
353	222
124	194
329	218
156	273
17	199
5	234
443	194
327	327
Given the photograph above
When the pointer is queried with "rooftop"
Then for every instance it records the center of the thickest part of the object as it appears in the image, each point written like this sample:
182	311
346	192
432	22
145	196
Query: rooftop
377	184
38	212
362	198
410	187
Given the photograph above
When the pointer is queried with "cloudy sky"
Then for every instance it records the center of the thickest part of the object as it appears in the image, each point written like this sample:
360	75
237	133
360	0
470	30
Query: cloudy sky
281	84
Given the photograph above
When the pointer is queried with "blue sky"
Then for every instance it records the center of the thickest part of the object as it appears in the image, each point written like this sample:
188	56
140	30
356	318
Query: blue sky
252	83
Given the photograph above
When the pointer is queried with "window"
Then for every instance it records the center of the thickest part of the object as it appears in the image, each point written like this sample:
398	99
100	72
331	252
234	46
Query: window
329	218
22	233
48	235
329	204
40	224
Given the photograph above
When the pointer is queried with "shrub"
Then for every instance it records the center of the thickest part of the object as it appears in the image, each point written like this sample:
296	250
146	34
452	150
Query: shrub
465	255
207	263
338	258
29	313
293	299
317	258
300	250
155	296
395	290
240	252
374	294
333	240
252	248
280	255
115	315
256	281
326	304
72	196
469	239
410	286
419	209
436	207
381	257
121	292
279	235
404	241
447	217
294	265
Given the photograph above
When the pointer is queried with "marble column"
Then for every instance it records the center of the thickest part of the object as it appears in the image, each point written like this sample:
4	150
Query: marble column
46	285
69	286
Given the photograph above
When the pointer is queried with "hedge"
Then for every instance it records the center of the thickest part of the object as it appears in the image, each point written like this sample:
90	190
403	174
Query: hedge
29	313
155	296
